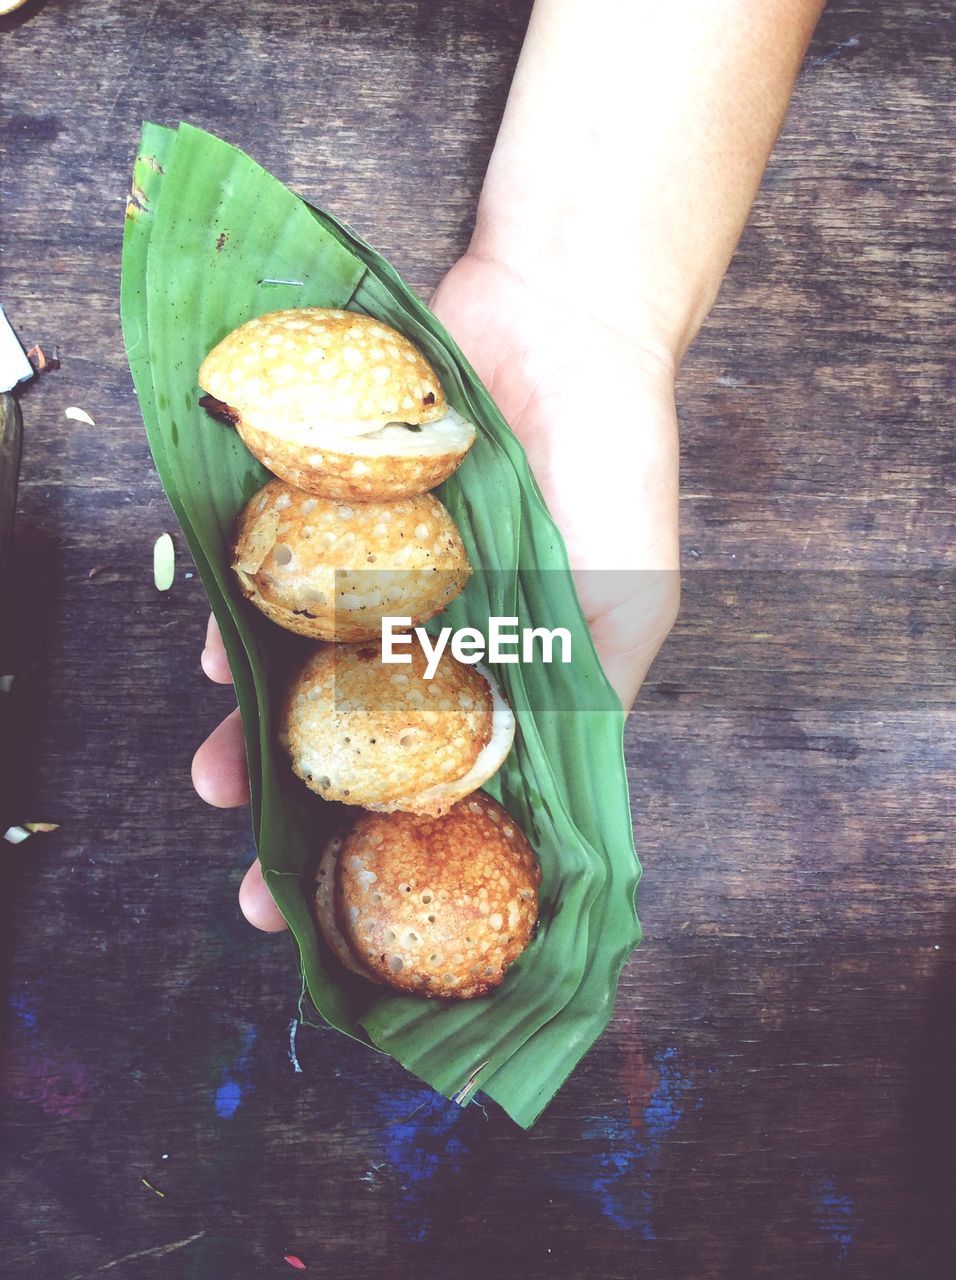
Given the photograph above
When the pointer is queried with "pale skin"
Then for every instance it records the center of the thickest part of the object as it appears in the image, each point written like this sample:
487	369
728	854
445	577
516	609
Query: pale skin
630	151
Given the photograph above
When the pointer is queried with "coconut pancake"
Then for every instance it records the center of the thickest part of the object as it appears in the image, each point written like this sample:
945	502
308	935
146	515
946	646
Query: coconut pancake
380	735
331	571
337	403
438	906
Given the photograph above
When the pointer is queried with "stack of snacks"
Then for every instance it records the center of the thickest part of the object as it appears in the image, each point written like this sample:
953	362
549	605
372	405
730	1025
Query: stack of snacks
354	422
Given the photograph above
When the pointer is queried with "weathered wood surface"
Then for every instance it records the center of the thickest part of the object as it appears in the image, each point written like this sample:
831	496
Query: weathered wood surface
775	1094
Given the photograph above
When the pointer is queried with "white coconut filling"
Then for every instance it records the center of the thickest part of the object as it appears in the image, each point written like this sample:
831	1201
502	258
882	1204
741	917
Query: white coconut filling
490	759
450	434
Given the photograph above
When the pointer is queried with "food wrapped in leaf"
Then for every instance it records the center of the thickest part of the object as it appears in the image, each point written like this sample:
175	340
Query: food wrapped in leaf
208	235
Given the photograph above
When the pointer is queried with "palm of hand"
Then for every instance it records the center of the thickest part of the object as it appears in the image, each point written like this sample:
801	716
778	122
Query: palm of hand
595	413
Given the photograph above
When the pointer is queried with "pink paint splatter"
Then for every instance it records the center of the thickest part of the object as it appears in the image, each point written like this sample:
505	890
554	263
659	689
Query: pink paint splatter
58	1084
53	1080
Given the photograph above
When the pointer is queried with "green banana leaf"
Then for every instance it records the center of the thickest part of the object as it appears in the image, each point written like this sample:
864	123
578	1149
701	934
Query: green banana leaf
212	240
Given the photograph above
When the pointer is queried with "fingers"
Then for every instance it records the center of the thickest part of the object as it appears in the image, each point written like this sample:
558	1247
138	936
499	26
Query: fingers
214	661
221	778
219	766
256	902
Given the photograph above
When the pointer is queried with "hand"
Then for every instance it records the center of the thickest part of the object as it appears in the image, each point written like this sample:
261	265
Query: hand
594	409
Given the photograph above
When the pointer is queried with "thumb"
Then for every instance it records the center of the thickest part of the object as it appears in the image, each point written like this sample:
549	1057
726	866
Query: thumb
257	903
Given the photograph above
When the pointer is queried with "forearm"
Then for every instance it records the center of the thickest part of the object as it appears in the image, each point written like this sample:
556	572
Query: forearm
636	135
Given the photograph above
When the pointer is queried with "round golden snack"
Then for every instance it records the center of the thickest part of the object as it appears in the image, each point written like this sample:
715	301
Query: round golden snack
382	736
310	366
332	571
336	403
438	906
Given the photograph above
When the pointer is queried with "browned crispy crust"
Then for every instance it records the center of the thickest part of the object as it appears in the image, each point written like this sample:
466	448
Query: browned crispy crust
438	906
219	409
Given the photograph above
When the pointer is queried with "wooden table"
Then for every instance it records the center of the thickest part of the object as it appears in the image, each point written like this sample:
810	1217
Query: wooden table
775	1096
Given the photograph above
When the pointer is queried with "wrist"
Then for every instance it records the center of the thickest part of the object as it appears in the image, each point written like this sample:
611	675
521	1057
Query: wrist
570	272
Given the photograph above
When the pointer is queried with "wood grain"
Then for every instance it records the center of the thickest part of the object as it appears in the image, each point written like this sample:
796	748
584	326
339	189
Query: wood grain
11	441
774	1095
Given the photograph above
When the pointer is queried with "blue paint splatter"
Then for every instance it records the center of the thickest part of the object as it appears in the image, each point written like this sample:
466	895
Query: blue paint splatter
23	1007
664	1107
235	1080
421	1137
228	1097
834	1215
620	1174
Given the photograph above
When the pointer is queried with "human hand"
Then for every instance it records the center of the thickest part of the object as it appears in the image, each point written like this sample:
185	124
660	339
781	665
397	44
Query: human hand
594	409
